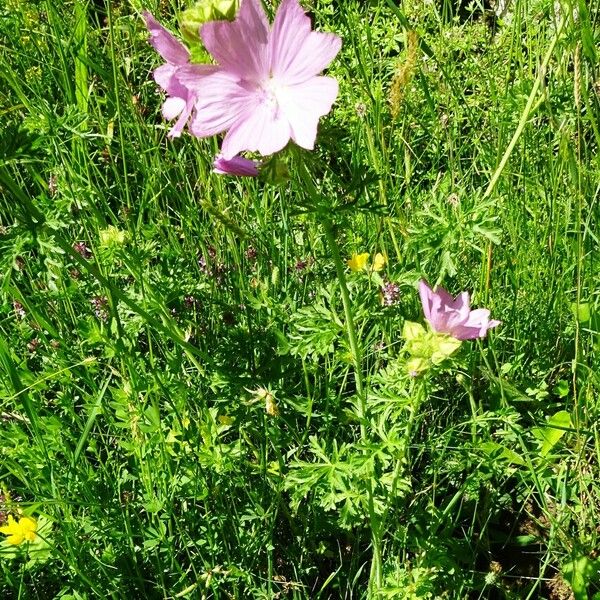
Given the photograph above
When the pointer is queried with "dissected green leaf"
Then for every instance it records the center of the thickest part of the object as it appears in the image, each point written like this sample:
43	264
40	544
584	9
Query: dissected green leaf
500	451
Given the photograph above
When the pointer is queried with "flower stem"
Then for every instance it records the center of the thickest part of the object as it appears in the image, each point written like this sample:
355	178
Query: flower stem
403	464
375	577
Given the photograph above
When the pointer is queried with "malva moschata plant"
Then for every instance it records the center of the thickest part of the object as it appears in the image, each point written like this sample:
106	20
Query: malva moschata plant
266	88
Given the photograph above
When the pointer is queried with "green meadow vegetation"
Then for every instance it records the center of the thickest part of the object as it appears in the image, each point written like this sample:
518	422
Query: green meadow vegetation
199	398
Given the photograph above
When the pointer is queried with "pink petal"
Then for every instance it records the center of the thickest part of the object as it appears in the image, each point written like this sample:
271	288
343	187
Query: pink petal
454	315
238	165
176	130
297	53
322	47
164	75
241	46
172	107
426	293
445	313
458	310
181	99
318	50
462	304
163	41
259	129
476	326
221	103
444	296
477	317
439	314
290	30
466	333
192	77
303	104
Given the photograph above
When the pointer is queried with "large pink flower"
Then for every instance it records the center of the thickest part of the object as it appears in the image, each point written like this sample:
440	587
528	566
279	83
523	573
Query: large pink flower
454	316
180	99
266	89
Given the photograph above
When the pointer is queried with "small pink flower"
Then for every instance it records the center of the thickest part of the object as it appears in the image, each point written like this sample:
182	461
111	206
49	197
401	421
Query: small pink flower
266	89
180	99
454	316
238	165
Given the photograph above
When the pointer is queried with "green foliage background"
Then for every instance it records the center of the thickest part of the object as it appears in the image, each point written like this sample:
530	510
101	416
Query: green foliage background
129	418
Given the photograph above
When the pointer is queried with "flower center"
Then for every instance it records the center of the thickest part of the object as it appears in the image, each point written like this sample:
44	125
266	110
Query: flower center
271	90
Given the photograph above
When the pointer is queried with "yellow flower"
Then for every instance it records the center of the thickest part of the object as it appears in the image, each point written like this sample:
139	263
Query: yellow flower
19	531
379	261
358	261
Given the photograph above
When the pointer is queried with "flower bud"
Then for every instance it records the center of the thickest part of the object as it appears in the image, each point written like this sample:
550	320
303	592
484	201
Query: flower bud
202	12
112	237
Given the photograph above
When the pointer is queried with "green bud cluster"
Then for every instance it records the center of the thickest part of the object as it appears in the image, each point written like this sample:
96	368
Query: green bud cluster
425	347
203	11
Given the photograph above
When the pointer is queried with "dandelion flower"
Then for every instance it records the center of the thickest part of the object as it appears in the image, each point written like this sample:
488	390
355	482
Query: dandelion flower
454	316
19	531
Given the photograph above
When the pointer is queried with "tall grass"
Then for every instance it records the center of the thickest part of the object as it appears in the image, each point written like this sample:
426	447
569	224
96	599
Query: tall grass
149	309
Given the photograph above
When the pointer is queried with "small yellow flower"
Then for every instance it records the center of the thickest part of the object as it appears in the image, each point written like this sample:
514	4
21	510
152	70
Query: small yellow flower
379	261
358	262
19	531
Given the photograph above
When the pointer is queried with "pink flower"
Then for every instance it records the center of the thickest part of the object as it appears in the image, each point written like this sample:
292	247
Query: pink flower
180	100
238	165
454	315
266	89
